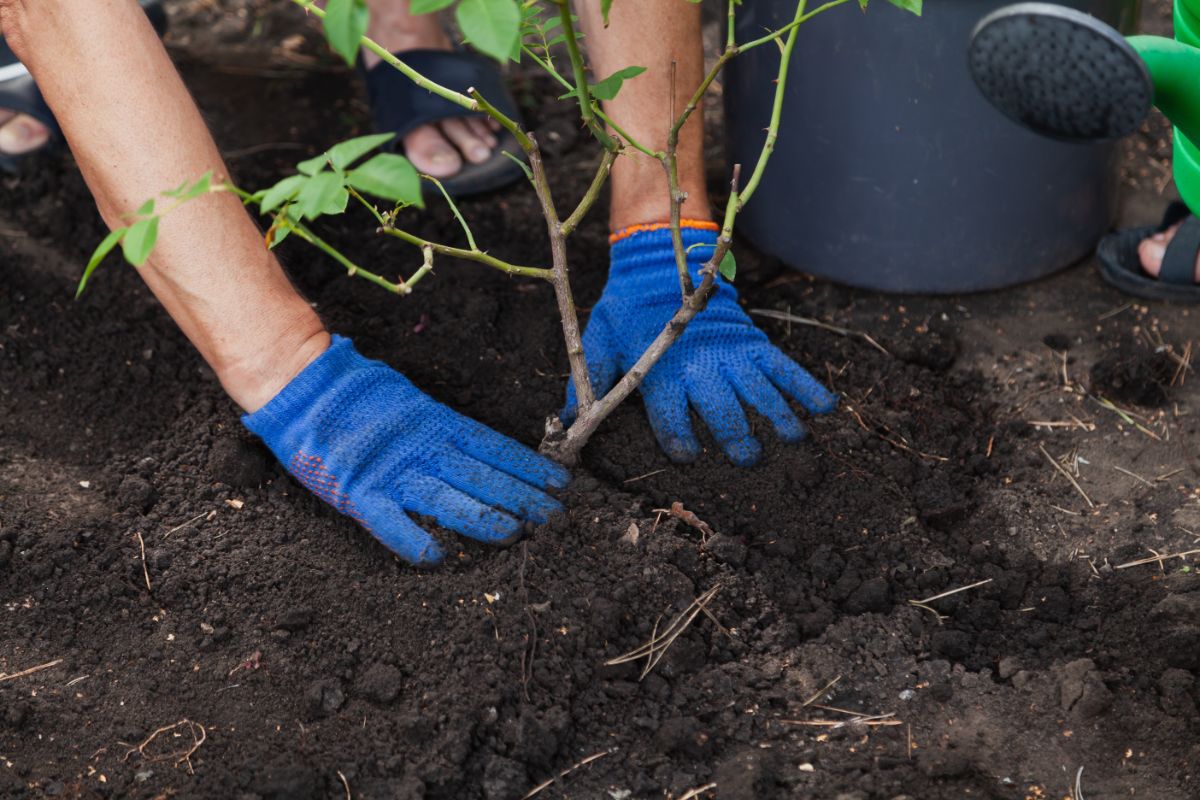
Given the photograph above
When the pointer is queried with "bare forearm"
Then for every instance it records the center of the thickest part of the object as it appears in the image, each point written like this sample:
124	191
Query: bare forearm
135	132
654	35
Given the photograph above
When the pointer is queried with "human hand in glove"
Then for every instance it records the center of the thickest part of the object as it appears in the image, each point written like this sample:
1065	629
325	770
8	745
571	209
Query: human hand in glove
720	362
360	436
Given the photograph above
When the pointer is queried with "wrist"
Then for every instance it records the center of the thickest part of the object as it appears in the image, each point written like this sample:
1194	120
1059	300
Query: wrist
254	378
649	248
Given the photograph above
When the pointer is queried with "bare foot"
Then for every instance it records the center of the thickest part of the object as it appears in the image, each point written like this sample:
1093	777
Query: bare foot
1152	250
437	149
21	133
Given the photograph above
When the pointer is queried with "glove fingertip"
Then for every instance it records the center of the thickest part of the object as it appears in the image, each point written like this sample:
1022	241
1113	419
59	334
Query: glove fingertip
557	476
681	450
422	554
500	529
821	402
791	430
744	452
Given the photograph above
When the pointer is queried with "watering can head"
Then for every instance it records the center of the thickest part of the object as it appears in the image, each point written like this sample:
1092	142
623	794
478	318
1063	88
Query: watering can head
1060	72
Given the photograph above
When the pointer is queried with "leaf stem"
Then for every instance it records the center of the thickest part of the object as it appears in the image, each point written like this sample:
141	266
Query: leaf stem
777	104
467	255
582	89
800	19
454	208
592	194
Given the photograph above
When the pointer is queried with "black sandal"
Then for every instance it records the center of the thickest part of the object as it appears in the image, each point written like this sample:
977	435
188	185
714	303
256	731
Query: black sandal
1121	266
400	106
19	93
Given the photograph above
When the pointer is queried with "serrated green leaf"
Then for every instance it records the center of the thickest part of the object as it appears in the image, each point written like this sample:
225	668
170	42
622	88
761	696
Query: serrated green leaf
388	176
178	190
199	187
146	208
311	166
911	6
323	193
343	154
491	26
277	233
605	7
562	37
728	266
345	24
139	240
428	6
281	192
607	89
103	249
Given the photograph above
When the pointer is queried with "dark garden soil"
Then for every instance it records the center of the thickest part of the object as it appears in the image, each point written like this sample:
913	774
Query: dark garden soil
313	664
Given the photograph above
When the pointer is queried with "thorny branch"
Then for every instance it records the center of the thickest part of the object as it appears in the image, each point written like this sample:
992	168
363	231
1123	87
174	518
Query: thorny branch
565	445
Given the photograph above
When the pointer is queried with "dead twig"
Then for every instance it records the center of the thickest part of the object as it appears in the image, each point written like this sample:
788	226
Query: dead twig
969	586
1063	471
1134	475
900	445
659	643
546	784
816	323
191	521
1126	416
688	518
30	671
876	720
699	790
1156	558
183	756
145	571
643	477
1077	789
345	785
821	693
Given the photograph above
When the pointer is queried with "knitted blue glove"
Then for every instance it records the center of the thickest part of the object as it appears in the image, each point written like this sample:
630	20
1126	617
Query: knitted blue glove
361	437
721	357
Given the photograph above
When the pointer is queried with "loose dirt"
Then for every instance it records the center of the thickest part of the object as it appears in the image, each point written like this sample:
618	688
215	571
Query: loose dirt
214	632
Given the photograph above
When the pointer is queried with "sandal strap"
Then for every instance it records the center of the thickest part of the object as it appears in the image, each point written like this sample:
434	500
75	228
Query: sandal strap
1175	212
1179	262
399	105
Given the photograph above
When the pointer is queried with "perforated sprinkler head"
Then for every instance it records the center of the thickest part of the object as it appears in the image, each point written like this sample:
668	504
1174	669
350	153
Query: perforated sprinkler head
1065	74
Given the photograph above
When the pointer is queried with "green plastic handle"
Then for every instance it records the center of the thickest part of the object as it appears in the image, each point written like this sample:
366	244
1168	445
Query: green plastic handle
1174	66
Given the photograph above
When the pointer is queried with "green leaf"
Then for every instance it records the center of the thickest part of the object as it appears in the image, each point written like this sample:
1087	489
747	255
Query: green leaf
605	7
428	6
323	193
345	24
863	4
343	154
146	209
728	266
607	89
277	232
199	187
178	190
492	26
388	176
139	240
912	6
313	165
281	192
103	249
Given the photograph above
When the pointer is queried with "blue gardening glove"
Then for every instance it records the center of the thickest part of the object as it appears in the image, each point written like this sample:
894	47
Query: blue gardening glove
720	359
361	437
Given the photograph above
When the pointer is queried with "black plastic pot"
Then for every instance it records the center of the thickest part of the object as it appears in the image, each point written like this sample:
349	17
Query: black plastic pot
891	171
